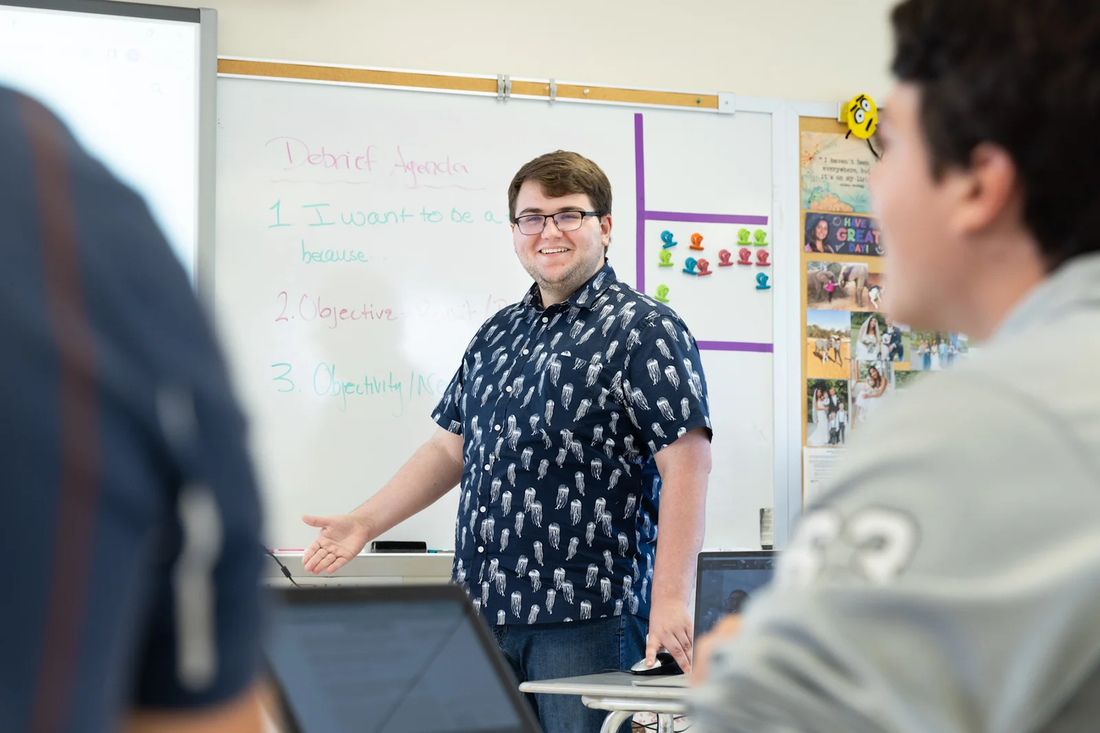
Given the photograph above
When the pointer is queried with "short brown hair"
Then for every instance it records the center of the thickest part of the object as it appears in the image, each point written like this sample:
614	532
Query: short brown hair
562	173
1023	75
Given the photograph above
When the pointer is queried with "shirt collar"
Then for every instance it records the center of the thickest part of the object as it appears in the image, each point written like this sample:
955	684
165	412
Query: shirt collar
586	294
1073	286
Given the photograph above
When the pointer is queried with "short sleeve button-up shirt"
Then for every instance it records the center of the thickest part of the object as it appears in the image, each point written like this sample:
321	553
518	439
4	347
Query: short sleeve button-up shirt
562	410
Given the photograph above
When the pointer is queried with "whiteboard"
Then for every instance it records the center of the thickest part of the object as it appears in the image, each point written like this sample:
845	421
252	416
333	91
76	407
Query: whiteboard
127	81
362	238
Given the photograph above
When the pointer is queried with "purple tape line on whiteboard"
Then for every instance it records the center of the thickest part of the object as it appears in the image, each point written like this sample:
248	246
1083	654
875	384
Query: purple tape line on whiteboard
706	218
639	182
734	346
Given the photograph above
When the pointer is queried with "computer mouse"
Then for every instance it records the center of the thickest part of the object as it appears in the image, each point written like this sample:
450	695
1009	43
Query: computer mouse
664	664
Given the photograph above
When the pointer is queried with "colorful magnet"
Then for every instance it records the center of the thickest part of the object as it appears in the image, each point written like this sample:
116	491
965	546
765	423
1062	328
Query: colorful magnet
762	282
704	267
696	241
662	292
666	259
761	238
745	255
724	258
689	266
666	237
743	237
762	258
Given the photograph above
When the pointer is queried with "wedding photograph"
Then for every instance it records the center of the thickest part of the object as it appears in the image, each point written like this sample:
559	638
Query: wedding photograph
936	351
871	381
896	343
868	331
827	412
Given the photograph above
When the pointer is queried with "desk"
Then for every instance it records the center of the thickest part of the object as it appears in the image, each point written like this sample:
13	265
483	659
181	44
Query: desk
616	693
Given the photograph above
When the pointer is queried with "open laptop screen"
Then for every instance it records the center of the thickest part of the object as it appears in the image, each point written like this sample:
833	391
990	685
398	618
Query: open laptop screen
725	581
382	660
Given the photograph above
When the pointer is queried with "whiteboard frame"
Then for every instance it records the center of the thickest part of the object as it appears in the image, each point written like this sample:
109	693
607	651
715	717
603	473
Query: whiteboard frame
208	155
710	102
786	366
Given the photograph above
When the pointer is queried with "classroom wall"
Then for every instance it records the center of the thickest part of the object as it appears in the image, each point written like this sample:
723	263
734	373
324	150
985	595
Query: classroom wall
794	49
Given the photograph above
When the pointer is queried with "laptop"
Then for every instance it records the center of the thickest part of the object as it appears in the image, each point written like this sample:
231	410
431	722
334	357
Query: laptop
389	659
724	583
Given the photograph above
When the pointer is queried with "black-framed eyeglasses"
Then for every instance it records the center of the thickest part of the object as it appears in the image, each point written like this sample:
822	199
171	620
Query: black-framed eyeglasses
565	221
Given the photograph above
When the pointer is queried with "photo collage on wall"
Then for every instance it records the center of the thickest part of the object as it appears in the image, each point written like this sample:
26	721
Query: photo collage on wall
855	356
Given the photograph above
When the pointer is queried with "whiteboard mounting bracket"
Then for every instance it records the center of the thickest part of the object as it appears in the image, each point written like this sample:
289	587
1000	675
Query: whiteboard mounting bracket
553	91
504	87
727	103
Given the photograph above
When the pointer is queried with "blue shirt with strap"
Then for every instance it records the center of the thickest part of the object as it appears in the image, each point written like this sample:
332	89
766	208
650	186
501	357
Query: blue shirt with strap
132	510
562	410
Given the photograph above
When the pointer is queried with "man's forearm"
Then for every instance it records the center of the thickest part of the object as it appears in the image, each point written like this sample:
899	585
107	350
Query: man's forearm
432	471
679	535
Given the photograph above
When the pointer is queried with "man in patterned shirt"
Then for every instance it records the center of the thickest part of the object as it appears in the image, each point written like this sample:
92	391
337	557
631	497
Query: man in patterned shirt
576	416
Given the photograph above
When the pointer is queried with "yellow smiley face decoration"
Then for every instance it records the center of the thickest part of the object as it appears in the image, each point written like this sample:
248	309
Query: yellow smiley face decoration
862	114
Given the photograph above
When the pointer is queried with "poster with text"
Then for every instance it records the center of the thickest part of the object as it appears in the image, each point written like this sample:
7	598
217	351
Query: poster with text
819	467
842	234
834	170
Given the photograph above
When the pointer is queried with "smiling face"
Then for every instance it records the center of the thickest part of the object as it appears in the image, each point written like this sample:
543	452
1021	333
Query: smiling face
821	230
560	262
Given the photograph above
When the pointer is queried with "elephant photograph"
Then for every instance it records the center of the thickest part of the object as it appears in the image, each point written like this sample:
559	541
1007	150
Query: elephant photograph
844	286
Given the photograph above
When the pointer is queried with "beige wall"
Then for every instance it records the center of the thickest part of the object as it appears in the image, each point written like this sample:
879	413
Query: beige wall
793	49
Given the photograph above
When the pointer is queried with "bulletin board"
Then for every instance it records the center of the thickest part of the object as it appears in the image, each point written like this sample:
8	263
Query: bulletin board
854	356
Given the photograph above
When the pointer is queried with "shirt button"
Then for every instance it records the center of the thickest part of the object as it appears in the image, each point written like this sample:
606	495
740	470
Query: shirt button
496	427
526	352
481	549
545	319
507	389
487	467
482	510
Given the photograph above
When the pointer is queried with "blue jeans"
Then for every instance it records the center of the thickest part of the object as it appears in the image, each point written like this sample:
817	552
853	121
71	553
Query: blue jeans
550	651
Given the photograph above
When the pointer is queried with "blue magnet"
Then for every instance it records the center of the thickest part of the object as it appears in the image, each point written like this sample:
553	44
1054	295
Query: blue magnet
666	237
762	282
689	266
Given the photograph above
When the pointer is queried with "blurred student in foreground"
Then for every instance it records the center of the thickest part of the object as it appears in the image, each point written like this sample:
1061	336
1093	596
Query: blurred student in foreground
132	588
950	579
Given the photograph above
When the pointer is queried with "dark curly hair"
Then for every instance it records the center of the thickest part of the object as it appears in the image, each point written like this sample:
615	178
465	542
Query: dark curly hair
1023	75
